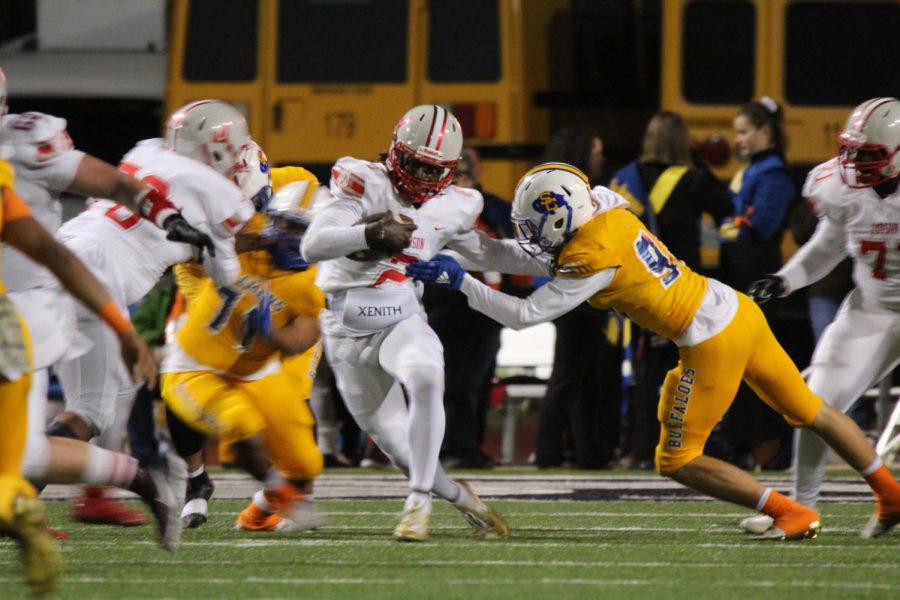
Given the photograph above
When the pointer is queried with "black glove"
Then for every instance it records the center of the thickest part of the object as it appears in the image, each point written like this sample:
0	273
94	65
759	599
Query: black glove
388	235
179	230
763	290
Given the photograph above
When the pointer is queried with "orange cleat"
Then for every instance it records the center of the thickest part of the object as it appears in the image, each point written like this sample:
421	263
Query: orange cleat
253	518
798	523
887	515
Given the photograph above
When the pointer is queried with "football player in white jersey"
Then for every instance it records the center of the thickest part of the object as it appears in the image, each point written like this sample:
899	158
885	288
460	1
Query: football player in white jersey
191	167
47	164
384	216
856	198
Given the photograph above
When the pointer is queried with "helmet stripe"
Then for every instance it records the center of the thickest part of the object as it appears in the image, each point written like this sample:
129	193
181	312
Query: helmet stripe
438	126
557	165
869	110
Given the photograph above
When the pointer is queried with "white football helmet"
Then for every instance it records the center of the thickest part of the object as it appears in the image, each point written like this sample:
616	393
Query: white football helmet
870	143
296	202
254	176
210	131
424	152
3	107
551	202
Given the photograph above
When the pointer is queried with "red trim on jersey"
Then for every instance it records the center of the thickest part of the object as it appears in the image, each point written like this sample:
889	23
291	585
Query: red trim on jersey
389	275
128	168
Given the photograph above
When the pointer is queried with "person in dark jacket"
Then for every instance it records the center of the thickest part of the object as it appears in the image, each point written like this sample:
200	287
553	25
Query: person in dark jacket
670	195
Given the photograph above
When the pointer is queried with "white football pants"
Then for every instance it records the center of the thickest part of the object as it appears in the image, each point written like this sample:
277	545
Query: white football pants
367	368
858	349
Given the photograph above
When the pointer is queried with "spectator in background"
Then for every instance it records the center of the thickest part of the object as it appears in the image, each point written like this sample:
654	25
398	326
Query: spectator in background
763	194
669	195
583	397
470	352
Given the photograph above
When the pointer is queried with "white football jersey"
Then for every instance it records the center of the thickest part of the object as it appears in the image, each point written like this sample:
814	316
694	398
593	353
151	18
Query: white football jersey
136	252
871	227
41	152
363	188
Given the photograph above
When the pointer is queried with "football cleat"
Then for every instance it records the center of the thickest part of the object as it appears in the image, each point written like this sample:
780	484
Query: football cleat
169	478
253	518
94	507
414	525
487	522
757	524
886	516
41	560
799	523
196	507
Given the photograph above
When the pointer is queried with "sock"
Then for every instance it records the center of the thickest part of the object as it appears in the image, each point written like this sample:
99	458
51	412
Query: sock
761	503
881	481
262	503
423	498
777	504
274	480
201	470
104	467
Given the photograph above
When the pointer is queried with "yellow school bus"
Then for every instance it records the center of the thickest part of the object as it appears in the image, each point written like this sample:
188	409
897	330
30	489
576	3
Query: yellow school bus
321	79
818	58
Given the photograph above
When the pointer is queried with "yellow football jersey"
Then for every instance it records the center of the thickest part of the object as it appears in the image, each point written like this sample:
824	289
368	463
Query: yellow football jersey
219	330
652	287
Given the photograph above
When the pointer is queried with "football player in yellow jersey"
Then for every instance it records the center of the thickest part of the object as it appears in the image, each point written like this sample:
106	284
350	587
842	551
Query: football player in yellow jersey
600	252
223	378
21	514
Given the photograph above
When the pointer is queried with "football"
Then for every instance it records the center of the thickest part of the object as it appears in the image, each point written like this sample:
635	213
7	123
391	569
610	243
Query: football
370	255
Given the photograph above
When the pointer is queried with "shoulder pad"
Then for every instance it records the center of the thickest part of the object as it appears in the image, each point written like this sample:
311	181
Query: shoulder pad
354	178
35	138
605	199
470	202
348	178
822	188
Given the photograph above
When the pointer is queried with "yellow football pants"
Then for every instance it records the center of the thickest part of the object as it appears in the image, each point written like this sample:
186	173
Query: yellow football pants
235	410
13	430
698	391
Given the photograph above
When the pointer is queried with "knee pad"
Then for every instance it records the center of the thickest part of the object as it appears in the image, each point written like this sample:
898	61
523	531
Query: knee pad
58	429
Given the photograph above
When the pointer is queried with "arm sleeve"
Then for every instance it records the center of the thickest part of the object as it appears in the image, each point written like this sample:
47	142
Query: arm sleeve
545	304
770	205
816	258
481	252
334	232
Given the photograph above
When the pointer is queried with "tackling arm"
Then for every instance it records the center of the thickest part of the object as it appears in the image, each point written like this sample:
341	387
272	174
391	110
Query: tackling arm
816	258
481	252
296	337
548	302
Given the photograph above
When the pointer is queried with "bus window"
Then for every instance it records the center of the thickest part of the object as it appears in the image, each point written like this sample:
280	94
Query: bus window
342	42
221	41
836	53
464	44
718	51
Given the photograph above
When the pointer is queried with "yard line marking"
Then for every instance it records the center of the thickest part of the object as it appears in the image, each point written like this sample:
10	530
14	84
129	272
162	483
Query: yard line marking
598	582
509	563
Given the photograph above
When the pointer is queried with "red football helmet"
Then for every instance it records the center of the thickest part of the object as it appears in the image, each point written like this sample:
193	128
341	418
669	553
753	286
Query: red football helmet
870	143
424	152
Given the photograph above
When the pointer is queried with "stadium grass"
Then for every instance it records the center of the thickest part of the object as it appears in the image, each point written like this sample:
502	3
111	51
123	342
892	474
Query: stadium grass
559	549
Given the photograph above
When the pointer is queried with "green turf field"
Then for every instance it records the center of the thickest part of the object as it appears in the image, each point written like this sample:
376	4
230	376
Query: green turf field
560	549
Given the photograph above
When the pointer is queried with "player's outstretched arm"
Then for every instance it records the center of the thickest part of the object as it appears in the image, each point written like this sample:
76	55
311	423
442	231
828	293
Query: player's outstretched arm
29	236
95	177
